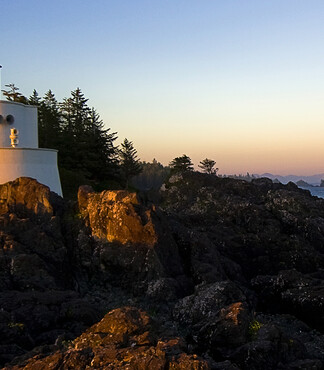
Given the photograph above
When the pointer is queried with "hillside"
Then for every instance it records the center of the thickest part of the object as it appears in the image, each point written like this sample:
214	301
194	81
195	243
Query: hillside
211	273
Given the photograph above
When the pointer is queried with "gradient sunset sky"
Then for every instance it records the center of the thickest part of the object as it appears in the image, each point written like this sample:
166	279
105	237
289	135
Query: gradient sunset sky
241	82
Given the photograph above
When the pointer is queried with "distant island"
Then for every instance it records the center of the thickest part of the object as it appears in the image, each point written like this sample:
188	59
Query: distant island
303	184
314	183
312	180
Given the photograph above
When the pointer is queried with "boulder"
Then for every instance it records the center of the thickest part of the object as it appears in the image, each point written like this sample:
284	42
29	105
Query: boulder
294	292
27	197
216	315
116	216
130	241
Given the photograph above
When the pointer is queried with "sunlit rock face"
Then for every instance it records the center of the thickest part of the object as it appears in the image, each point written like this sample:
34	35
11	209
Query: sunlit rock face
129	238
36	276
32	252
26	195
117	216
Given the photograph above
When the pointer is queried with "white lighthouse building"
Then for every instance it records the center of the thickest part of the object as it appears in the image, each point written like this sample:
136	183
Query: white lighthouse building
19	151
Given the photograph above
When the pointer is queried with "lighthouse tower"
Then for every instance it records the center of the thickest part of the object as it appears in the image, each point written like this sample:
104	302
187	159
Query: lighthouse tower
19	151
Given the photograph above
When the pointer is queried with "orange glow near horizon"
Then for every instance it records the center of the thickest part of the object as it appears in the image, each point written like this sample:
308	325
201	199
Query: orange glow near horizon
280	134
299	155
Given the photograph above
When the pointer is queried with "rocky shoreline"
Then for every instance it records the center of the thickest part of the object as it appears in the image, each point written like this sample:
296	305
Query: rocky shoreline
210	273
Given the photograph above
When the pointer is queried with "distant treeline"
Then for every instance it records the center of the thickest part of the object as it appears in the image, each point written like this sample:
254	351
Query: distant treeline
153	175
246	177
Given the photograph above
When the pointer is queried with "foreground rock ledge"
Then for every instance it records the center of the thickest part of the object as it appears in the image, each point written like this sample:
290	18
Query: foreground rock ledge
124	339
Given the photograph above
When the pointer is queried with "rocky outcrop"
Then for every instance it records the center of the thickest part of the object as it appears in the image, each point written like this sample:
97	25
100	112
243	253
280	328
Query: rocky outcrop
261	226
32	252
124	339
117	216
248	233
293	292
222	274
26	197
38	302
217	315
129	238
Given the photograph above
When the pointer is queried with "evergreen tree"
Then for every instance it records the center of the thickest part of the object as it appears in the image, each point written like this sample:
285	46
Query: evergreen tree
75	113
12	94
101	159
129	163
87	154
208	166
87	147
49	122
181	164
153	175
34	99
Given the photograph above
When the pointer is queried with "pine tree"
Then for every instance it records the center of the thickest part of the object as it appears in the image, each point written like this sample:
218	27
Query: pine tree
34	99
101	160
12	94
181	164
129	163
75	113
153	175
87	147
208	166
49	122
87	154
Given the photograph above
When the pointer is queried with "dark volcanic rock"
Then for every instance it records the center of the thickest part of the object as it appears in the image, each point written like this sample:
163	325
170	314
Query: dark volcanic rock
124	338
293	292
217	315
235	268
33	254
129	239
36	276
261	226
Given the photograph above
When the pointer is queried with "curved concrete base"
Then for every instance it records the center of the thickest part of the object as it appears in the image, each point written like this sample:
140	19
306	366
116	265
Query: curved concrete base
40	164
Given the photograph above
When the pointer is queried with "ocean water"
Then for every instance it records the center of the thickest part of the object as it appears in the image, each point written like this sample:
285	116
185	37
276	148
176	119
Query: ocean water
316	191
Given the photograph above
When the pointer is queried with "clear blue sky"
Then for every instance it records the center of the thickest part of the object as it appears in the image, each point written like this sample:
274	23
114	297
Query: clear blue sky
241	82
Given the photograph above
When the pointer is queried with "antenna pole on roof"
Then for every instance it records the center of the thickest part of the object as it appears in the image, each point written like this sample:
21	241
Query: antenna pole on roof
0	84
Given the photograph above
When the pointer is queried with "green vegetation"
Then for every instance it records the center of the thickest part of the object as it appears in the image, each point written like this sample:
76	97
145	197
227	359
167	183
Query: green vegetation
87	153
246	177
12	94
208	166
152	177
18	325
129	163
254	327
181	164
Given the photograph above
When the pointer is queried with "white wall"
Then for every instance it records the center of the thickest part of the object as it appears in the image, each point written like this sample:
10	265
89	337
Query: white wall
40	164
25	117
